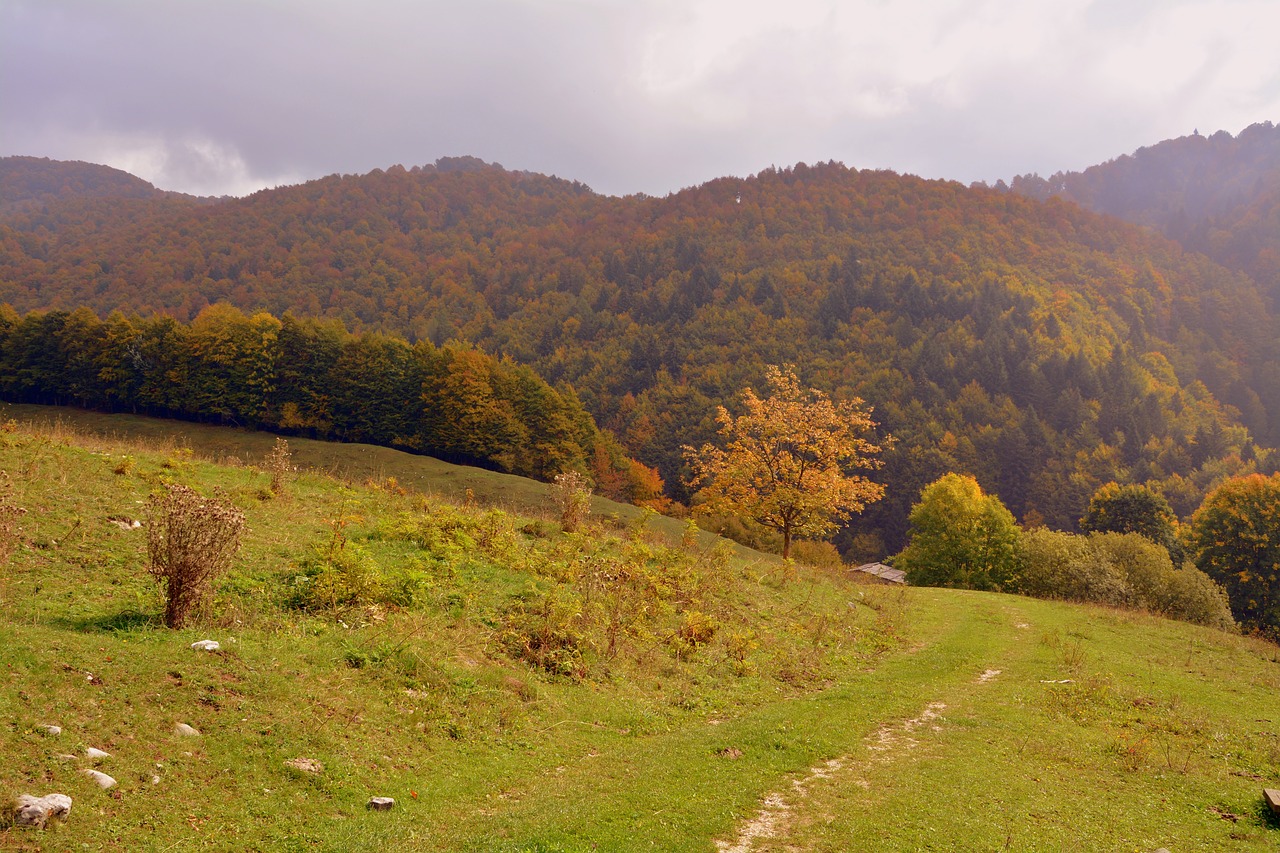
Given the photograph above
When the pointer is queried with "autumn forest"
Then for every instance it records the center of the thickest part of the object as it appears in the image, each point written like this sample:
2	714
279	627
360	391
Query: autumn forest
527	323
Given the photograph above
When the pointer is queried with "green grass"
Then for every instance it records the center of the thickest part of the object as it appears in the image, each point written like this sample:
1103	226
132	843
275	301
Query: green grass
1160	729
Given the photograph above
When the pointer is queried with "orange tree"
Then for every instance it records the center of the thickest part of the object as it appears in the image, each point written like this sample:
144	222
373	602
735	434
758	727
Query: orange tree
787	463
1235	537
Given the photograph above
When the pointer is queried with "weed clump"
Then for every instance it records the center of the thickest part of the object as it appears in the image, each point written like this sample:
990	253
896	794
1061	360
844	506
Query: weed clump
191	539
573	499
279	464
9	529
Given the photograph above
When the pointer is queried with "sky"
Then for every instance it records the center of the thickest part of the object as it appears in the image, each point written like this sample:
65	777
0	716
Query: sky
224	97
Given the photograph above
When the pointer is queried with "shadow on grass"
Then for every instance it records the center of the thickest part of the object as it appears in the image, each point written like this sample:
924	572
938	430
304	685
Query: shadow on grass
113	623
1266	818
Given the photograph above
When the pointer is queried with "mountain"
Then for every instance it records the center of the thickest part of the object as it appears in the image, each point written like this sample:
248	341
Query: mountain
29	183
1219	195
1043	348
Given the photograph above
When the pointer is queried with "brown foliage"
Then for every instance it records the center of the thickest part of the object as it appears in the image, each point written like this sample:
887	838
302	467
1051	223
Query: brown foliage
9	530
279	464
191	539
573	499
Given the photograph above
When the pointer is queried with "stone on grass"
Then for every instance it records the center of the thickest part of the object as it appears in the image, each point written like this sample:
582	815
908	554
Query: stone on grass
381	804
306	765
185	730
95	754
68	757
51	731
1272	796
206	645
38	811
104	781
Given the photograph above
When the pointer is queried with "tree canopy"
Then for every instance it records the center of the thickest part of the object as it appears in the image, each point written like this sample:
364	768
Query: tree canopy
787	462
1235	536
960	537
1133	509
1042	348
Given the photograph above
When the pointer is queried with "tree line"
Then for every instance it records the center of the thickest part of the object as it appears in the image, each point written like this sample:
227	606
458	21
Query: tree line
314	378
1221	567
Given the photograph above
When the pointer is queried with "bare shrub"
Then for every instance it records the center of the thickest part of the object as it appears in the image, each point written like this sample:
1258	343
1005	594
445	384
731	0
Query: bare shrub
279	464
9	529
573	498
191	539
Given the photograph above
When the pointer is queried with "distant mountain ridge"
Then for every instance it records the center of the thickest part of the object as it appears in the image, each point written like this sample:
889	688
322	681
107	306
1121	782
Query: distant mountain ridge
1216	194
29	182
1039	346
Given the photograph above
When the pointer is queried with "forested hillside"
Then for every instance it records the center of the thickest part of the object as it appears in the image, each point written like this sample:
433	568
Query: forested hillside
27	183
1042	348
1219	195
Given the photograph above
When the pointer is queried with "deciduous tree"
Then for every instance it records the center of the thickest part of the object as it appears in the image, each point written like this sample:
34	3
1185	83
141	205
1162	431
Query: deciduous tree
1235	537
787	463
960	537
1133	509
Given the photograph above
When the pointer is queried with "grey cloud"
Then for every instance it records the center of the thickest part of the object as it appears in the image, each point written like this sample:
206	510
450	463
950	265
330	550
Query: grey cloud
259	92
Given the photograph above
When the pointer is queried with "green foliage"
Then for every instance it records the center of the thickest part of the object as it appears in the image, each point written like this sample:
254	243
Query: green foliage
1134	509
1118	569
1062	565
960	537
658	748
1235	537
339	578
546	633
306	376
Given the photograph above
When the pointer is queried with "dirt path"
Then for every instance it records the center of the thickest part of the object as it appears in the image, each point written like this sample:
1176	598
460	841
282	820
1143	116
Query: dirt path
887	744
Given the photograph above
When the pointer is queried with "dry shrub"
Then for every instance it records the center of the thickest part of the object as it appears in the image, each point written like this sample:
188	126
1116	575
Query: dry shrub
279	464
573	499
9	529
191	539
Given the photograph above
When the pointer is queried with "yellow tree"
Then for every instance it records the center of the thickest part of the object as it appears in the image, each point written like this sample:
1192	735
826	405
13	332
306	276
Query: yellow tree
788	462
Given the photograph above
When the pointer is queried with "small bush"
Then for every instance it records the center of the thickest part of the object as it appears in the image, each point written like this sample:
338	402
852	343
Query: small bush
822	555
1121	570
1068	566
279	464
546	633
344	579
10	532
573	499
696	629
191	539
1196	597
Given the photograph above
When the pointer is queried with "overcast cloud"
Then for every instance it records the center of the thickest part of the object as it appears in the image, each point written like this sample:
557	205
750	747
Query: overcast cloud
227	96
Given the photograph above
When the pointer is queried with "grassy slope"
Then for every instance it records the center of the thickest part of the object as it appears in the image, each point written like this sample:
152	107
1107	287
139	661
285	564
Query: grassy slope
1160	724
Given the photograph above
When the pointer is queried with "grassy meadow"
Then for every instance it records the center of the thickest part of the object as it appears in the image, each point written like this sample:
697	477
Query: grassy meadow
633	686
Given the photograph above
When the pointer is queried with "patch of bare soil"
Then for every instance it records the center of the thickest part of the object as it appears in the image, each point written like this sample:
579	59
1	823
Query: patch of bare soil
885	744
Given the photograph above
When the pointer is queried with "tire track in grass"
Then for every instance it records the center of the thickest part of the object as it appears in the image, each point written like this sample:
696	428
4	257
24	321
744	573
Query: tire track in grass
885	745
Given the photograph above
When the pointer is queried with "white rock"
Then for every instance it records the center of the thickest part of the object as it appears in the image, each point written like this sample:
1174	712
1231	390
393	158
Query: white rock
185	730
37	811
306	765
381	804
104	781
96	754
51	731
206	645
68	757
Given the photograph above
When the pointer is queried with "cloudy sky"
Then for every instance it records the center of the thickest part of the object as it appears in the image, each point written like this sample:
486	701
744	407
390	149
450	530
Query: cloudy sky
227	96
